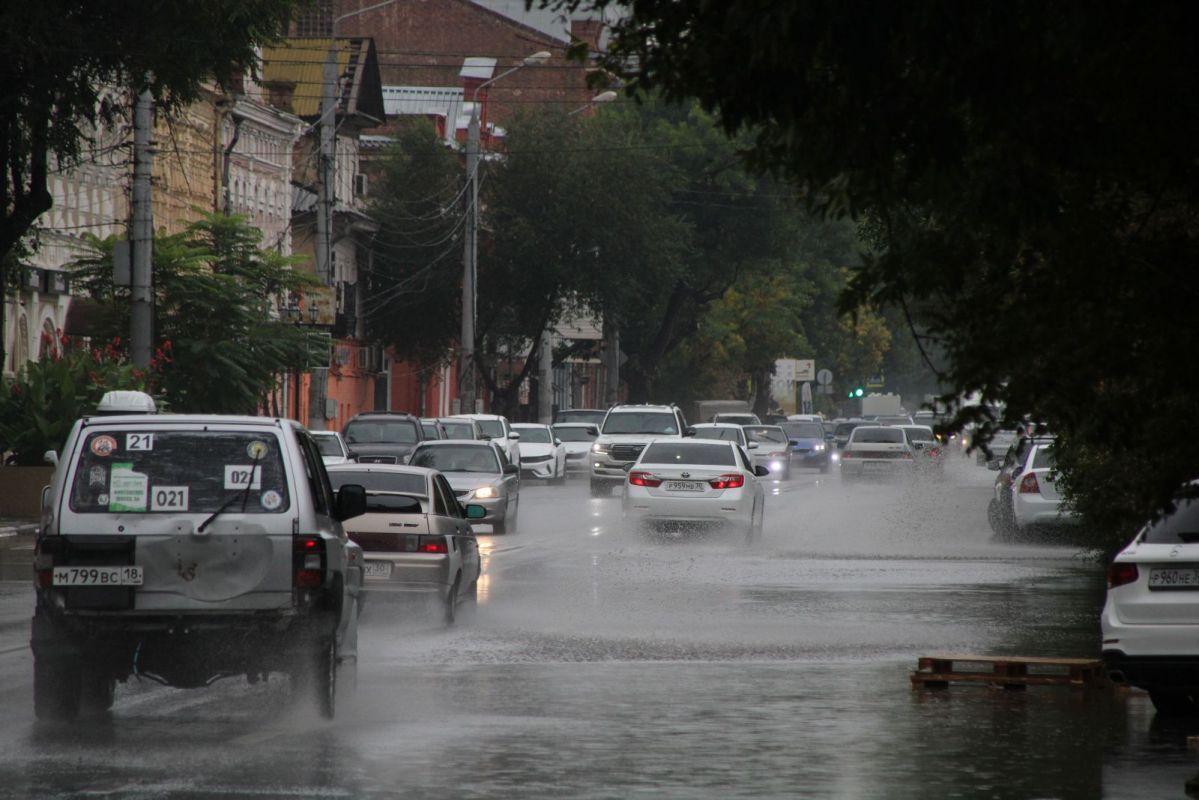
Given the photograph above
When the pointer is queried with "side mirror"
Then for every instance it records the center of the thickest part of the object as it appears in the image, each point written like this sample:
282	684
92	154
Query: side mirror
350	454
689	431
351	502
592	430
474	511
513	435
761	472
557	442
511	469
50	457
752	446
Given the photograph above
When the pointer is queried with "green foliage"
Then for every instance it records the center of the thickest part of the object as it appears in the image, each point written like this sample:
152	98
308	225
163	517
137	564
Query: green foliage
414	300
40	404
222	344
1029	169
70	68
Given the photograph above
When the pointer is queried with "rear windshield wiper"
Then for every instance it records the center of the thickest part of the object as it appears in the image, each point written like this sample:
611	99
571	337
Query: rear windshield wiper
244	496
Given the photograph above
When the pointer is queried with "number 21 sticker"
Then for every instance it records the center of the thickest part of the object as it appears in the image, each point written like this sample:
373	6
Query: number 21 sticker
168	498
139	441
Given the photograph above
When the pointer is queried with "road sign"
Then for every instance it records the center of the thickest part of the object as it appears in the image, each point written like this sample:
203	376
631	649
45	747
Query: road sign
805	369
824	377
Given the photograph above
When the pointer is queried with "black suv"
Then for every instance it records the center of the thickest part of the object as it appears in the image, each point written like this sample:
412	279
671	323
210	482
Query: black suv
382	437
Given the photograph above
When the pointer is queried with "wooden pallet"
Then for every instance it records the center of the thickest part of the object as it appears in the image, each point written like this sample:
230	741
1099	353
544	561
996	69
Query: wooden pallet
1009	672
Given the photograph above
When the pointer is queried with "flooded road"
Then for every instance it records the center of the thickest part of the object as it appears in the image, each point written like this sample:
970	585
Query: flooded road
600	664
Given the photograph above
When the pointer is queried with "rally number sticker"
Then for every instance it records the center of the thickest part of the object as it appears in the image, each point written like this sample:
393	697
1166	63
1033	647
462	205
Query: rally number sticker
168	498
139	441
242	476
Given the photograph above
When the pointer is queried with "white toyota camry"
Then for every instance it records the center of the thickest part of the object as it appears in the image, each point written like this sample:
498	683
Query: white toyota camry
683	484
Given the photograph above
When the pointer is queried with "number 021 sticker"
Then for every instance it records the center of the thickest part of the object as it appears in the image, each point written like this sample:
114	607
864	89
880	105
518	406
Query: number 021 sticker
237	476
168	498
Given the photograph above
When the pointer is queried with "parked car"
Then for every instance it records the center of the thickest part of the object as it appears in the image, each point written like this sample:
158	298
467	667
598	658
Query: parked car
810	443
1036	502
431	429
1150	622
773	449
542	453
415	536
577	438
165	538
332	446
627	429
499	430
591	416
382	437
462	428
877	450
686	484
929	453
1000	510
479	473
736	418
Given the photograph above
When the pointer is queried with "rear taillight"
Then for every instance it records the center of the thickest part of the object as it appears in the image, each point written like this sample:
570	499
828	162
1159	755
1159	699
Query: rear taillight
907	454
1119	574
308	562
934	452
734	480
649	479
1029	485
45	555
847	454
433	544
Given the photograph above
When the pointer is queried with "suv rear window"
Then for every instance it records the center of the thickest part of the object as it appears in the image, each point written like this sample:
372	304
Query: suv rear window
723	434
662	422
717	455
1180	526
157	471
381	431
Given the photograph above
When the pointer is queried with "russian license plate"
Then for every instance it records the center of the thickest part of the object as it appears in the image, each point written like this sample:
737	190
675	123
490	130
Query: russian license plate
684	486
97	576
1174	578
378	570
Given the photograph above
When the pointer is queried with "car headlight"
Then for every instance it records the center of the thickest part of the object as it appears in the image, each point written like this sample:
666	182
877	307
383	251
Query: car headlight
485	493
819	447
599	448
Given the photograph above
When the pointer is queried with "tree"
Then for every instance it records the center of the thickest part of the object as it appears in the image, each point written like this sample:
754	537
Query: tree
63	58
414	287
222	343
1030	168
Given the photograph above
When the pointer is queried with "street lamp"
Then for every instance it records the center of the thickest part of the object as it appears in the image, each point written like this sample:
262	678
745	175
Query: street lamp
466	376
603	97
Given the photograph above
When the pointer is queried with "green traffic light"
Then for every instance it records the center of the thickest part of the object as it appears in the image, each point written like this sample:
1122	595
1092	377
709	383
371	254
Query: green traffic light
858	392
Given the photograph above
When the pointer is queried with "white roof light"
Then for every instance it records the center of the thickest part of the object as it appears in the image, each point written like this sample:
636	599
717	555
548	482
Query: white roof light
126	402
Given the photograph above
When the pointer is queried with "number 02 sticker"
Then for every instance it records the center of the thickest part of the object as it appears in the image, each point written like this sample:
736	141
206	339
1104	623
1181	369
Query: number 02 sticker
168	498
238	476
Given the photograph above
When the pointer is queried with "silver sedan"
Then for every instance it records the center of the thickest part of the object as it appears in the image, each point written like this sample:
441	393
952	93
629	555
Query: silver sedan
479	473
415	535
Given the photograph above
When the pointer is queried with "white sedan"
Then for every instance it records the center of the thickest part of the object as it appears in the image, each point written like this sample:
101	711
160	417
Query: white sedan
542	454
577	438
332	446
682	484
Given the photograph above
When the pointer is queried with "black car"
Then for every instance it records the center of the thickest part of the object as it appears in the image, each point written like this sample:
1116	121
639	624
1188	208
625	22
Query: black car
383	437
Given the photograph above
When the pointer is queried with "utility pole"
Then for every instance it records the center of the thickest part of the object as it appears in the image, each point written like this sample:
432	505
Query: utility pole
612	361
466	370
545	378
326	168
142	234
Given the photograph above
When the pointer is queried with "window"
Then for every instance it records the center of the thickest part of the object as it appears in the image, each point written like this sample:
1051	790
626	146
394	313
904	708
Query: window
328	445
877	436
721	434
663	422
717	455
381	431
451	499
492	427
318	479
533	435
919	434
456	458
1180	526
458	430
763	434
152	470
569	434
412	483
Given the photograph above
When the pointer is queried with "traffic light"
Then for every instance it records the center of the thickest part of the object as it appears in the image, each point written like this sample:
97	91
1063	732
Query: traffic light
855	392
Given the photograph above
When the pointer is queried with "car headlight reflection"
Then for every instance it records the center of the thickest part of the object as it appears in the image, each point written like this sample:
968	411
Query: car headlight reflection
485	493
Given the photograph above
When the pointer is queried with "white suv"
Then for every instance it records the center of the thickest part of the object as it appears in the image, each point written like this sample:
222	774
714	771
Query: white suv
625	432
1150	623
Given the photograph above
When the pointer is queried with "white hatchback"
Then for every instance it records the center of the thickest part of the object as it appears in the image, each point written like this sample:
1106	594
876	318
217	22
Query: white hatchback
689	483
1150	622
